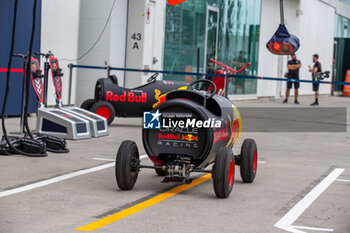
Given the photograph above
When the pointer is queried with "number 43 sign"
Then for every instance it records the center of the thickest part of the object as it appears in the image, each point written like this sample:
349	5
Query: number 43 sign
175	2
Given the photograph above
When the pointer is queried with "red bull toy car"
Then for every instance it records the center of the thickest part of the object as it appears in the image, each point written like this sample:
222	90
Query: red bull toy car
112	100
187	133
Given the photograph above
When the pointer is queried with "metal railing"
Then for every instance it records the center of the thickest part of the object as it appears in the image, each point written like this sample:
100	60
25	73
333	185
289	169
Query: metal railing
198	75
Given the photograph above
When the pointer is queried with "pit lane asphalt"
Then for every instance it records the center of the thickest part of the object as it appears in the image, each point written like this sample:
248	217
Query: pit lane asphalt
294	164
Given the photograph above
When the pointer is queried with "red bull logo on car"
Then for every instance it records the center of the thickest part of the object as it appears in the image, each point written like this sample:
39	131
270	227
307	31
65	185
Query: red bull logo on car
221	133
159	98
189	137
231	128
178	137
129	97
169	136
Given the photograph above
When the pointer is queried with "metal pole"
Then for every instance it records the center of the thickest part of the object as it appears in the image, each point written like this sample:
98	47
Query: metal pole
109	71
282	12
46	80
280	75
21	130
126	41
70	66
198	54
198	77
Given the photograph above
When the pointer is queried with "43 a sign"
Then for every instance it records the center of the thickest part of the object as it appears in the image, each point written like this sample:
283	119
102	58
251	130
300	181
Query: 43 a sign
175	2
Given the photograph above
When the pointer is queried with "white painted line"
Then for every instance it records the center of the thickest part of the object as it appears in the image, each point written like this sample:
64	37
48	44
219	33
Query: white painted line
113	160
143	157
342	180
57	179
54	180
313	228
104	159
286	222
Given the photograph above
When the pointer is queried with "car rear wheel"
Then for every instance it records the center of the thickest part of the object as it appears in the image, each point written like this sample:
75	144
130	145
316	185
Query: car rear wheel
249	160
125	165
223	172
87	104
105	110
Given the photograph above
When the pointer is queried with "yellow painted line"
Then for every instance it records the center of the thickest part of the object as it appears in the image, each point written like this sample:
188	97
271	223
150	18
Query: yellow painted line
143	205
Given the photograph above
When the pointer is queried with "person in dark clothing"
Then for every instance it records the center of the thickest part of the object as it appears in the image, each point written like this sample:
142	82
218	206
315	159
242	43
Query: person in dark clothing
316	70
293	73
239	63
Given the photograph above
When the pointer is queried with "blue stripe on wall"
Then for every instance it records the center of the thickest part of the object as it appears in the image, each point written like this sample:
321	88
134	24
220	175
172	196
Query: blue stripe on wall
23	32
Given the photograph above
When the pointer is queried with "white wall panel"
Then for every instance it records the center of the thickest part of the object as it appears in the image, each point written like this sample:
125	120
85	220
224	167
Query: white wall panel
109	50
316	35
59	33
135	41
152	41
267	62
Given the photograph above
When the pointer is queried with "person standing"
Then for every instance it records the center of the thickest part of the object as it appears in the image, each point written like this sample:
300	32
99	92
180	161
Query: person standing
239	63
317	68
293	73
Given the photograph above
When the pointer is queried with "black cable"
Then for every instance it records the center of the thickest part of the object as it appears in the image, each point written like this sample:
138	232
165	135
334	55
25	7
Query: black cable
7	90
98	39
27	87
29	72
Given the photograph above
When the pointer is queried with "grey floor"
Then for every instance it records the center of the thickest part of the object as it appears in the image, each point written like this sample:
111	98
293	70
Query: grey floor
292	165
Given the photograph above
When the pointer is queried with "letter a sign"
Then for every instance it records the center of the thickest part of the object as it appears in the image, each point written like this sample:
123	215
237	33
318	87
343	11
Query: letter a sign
175	2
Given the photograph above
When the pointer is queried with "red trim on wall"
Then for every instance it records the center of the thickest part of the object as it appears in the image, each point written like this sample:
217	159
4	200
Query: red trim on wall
12	70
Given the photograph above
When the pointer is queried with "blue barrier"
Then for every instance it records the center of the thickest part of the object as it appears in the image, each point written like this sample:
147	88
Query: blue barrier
208	75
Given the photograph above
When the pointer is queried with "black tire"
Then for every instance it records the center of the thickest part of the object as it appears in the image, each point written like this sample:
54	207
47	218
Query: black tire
127	156
104	109
87	104
223	172
161	172
249	160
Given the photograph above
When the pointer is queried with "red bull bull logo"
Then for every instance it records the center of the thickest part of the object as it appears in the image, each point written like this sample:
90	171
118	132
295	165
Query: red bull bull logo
159	98
189	137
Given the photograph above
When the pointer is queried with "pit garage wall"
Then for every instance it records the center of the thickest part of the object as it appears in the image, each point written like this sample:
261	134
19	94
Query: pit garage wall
59	34
109	50
117	45
70	27
314	27
147	18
